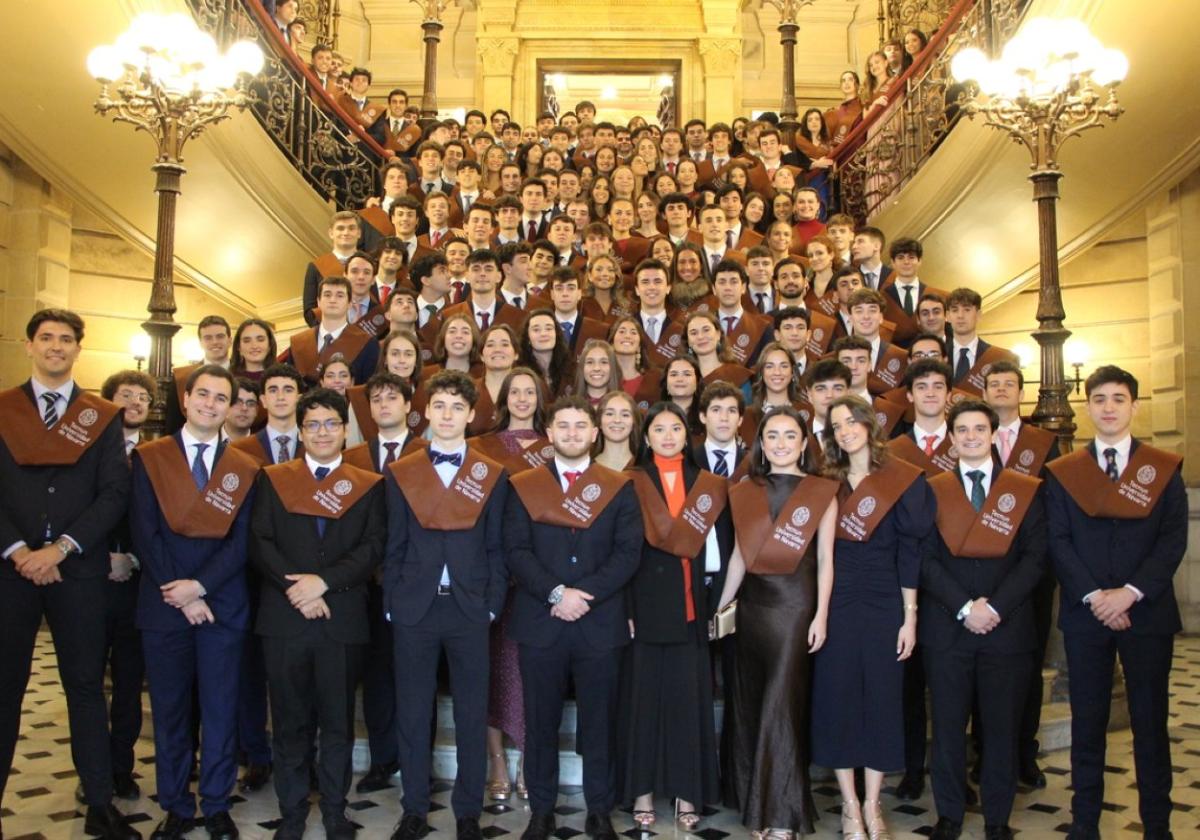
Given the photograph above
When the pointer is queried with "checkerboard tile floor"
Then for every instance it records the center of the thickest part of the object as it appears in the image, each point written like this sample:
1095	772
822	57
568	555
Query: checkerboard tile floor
40	799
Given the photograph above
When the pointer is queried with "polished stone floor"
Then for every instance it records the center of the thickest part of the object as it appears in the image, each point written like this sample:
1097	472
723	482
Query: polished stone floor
40	799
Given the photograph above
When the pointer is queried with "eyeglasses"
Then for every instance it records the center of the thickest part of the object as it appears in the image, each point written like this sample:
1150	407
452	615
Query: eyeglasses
926	354
251	403
130	396
314	426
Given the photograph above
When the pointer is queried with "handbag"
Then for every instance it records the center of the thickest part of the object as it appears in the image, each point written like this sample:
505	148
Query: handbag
725	621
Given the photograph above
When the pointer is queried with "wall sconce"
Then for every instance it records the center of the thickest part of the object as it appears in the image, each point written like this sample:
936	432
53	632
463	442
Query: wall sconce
139	348
193	352
1078	353
1026	354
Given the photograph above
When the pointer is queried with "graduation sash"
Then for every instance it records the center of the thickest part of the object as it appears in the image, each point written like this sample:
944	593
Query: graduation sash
374	323
734	374
31	444
1132	496
684	535
376	218
203	514
670	343
535	455
546	502
310	362
826	304
1030	449
889	369
990	531
945	457
301	493
887	415
180	375
821	328
973	383
876	494
356	396
329	265
746	335
441	508
775	547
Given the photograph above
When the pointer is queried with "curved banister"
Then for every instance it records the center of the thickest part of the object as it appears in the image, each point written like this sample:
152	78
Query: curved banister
920	64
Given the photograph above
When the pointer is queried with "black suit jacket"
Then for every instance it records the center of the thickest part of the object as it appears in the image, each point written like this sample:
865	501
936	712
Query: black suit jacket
1091	553
283	543
543	226
656	596
84	500
600	560
415	557
948	582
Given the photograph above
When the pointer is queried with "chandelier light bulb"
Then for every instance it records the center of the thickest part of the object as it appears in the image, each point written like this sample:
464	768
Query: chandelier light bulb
104	63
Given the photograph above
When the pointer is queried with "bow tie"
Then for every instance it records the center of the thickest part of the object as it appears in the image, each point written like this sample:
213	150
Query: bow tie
446	458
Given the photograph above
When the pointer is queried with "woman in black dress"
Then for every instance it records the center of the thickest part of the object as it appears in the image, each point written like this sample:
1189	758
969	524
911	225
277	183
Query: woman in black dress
887	509
667	741
784	521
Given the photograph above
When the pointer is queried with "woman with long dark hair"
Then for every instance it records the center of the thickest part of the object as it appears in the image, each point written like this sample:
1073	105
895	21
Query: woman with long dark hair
604	296
781	572
597	371
667	740
858	676
706	344
254	349
544	350
689	286
681	386
620	438
638	379
498	354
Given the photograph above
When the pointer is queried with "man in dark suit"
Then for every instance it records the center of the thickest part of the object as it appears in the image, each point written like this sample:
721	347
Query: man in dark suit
310	350
969	354
444	583
978	573
573	536
484	306
721	408
429	171
1118	523
867	252
565	294
60	498
133	391
190	522
533	224
318	529
345	230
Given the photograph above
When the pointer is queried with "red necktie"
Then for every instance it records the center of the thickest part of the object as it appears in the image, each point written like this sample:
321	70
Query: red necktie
459	293
435	237
384	293
729	322
929	439
532	231
484	319
571	476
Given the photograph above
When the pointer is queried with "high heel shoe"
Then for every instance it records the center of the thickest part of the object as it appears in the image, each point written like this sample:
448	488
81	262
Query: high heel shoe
499	791
873	814
644	819
687	820
852	823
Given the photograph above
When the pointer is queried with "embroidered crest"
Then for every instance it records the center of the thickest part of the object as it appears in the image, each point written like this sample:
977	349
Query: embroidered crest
894	365
866	506
880	418
743	341
704	503
1026	458
88	417
674	340
800	516
230	482
343	488
414	419
479	471
547	452
1147	474
591	493
818	334
1006	503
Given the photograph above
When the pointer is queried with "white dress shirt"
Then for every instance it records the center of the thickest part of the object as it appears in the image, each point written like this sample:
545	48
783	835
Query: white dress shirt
938	434
189	448
972	352
1122	446
313	464
902	285
729	449
654	332
322	332
423	314
382	450
563	469
446	472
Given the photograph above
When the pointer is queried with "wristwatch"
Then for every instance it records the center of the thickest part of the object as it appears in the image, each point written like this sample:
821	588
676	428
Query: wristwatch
556	594
65	546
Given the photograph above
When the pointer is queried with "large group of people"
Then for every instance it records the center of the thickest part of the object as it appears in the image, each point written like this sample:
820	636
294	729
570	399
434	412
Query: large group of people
611	412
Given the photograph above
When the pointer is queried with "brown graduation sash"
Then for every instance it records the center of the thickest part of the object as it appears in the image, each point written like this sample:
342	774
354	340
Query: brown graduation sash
591	493
876	494
821	328
206	514
1132	496
776	547
889	370
945	457
310	363
329	265
826	304
441	508
990	531
356	395
973	383
745	336
535	455
360	455
669	346
887	415
376	218
301	493
683	535
31	444
1030	449
730	372
374	323
180	375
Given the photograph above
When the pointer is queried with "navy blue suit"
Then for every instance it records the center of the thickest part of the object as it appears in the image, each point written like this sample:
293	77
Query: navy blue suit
599	560
181	657
1091	553
425	623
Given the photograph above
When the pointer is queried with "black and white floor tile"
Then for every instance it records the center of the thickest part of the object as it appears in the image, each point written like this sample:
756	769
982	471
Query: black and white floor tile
40	802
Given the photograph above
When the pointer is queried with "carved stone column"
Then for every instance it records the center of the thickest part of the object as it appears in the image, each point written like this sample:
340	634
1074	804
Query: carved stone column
722	59
497	56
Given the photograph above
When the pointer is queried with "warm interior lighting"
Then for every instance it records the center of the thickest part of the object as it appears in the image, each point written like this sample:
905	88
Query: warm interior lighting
1026	354
139	346
1077	352
608	92
665	81
192	351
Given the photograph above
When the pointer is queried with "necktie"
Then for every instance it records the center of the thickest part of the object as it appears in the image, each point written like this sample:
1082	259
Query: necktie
446	458
929	439
518	303
908	301
760	300
325	342
712	263
568	328
868	280
532	231
729	322
652	329
1006	444
977	494
468	200
428	187
50	415
385	292
671	168
1110	455
459	291
484	319
435	237
721	468
729	239
571	476
391	447
395	126
963	366
320	473
199	471
129	444
285	452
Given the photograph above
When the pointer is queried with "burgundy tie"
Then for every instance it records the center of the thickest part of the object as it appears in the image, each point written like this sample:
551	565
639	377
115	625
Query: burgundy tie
484	319
729	322
532	231
671	168
434	238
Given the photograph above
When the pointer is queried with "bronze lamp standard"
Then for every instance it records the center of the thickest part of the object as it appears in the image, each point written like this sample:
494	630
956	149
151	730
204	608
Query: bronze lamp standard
431	26
1053	80
169	79
788	10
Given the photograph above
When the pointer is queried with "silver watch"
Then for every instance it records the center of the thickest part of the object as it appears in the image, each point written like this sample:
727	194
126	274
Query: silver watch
64	546
556	594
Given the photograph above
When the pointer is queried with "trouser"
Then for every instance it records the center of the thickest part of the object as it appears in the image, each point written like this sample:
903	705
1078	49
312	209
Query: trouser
379	683
127	670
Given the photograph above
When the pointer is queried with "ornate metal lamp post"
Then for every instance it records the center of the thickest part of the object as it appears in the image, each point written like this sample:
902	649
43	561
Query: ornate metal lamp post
788	10
1053	80
431	25
167	78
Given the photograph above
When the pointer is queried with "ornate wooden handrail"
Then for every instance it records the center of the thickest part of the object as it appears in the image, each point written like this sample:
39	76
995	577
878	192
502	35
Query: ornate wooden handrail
330	149
888	146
